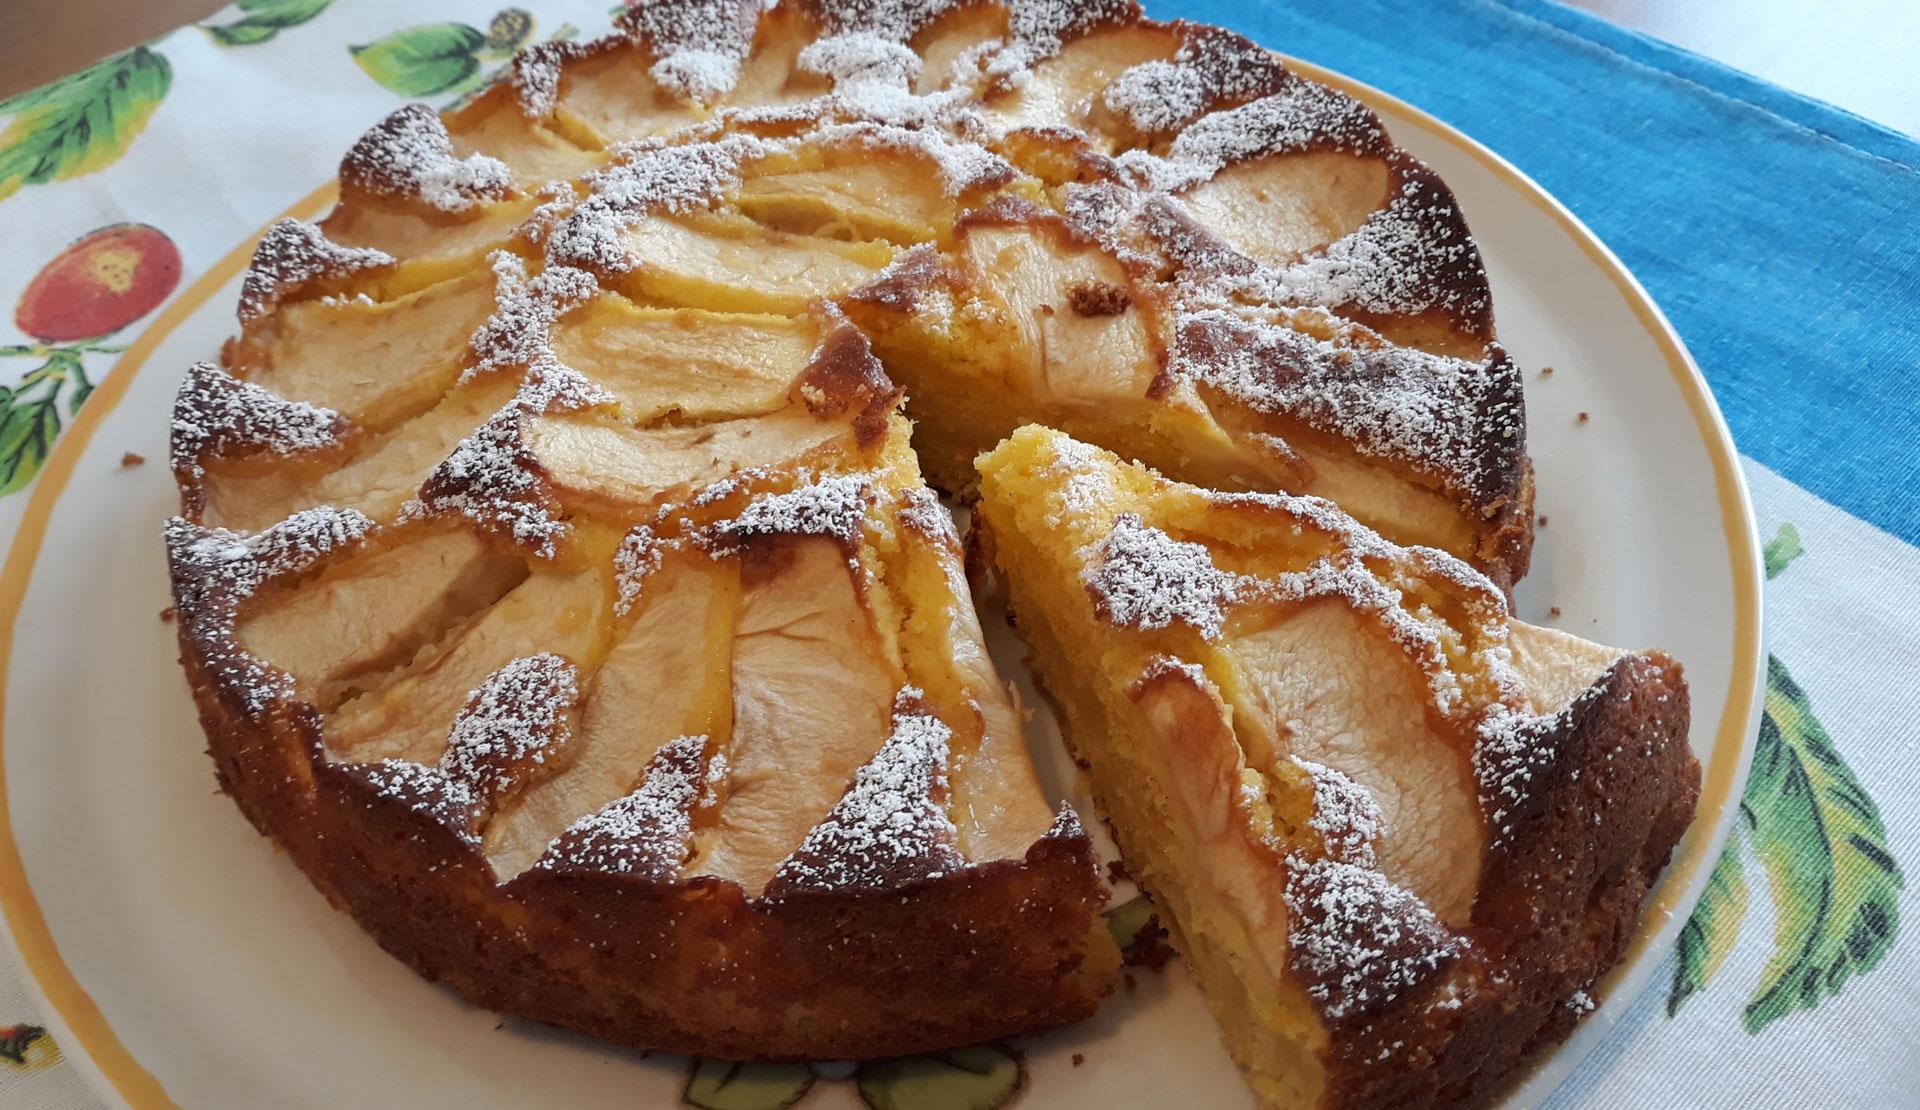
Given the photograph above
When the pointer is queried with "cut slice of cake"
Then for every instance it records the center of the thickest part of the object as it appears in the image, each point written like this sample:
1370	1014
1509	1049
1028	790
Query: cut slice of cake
1398	835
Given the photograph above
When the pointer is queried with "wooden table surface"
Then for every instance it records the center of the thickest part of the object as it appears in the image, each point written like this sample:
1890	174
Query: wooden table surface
1863	55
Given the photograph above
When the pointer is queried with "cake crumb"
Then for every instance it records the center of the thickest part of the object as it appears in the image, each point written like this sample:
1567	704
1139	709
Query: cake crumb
1546	371
1149	947
1079	1058
1553	612
1097	298
1543	520
1584	417
130	459
166	615
1117	872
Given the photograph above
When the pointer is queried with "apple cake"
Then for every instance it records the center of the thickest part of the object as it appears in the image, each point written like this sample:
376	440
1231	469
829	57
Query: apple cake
1399	834
562	583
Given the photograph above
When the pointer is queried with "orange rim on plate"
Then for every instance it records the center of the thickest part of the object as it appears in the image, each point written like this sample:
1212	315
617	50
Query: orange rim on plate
82	1030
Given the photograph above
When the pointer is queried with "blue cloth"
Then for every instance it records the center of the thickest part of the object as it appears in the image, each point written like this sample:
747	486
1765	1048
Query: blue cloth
1781	235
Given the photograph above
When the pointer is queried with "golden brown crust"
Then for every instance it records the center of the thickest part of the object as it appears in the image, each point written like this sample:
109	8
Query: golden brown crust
1560	898
694	966
1505	549
845	377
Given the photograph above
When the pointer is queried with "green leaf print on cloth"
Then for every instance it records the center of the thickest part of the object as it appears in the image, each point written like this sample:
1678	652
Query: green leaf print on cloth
260	20
1823	848
81	122
430	59
1820	839
1709	934
1782	549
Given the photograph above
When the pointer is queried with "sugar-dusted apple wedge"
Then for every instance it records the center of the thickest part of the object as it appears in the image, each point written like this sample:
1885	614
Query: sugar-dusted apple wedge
1397	834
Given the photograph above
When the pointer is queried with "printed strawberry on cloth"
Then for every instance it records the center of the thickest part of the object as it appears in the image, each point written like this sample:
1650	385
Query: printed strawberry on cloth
1777	232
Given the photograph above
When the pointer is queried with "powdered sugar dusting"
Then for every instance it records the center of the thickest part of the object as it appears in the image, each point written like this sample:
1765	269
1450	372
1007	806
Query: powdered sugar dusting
923	512
493	478
511	723
698	44
1410	256
833	506
1512	746
215	570
962	165
535	74
520	331
646	833
1460	422
1357	939
410	155
637	557
644	178
292	253
698	75
1303	116
1157	96
1212	66
860	57
890	20
1084	481
1344	814
216	414
1142	578
891	826
425	789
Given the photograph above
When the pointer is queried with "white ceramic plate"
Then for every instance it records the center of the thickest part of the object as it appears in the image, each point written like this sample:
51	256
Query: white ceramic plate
181	959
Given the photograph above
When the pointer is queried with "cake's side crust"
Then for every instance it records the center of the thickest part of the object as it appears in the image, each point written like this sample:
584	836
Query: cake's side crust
694	966
1558	903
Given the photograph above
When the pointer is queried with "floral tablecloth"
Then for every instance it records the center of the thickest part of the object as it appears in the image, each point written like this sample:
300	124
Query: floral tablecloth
1780	234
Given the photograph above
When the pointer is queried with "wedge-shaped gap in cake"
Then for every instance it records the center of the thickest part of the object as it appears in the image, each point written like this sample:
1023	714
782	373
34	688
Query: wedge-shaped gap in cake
994	799
1024	308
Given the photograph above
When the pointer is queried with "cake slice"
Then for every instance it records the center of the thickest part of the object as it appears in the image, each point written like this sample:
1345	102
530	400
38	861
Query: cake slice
1398	835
